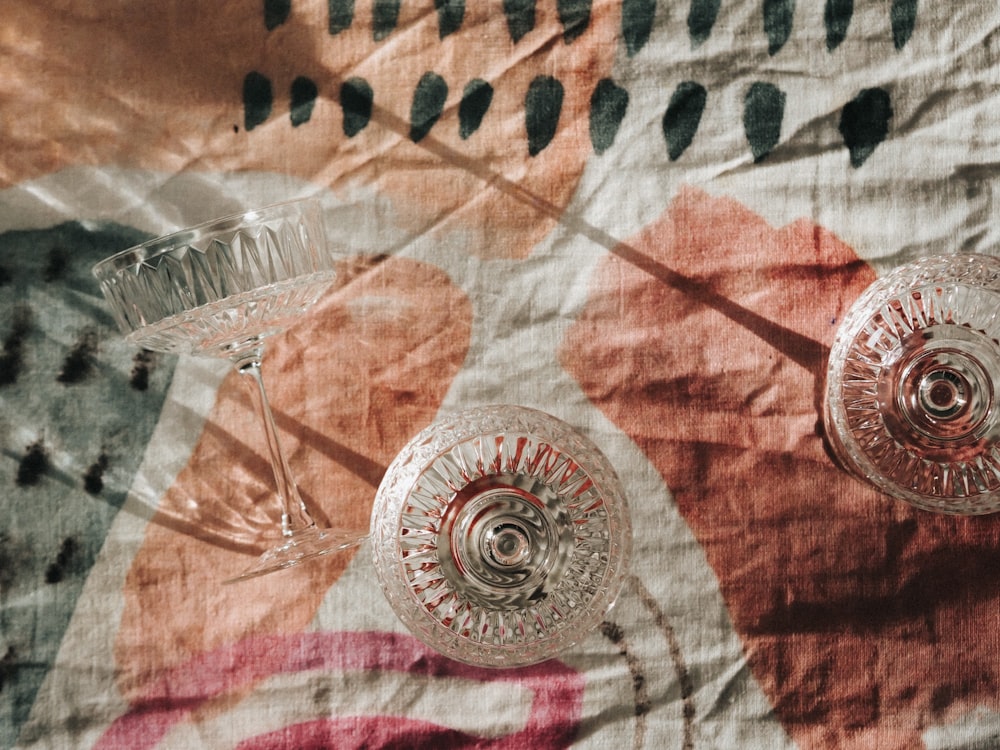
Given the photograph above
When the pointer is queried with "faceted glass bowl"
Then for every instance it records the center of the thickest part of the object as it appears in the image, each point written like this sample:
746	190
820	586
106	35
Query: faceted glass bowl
913	386
215	285
501	536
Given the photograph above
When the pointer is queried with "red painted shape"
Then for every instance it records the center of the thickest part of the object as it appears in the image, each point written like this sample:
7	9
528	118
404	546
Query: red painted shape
705	339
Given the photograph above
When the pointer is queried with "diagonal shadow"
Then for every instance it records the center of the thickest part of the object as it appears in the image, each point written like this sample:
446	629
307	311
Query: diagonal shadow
363	467
219	529
810	354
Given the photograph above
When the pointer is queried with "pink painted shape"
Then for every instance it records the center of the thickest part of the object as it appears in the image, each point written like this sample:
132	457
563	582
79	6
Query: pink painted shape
180	692
369	732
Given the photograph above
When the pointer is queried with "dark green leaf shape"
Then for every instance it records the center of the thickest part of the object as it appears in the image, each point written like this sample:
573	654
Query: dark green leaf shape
341	14
385	16
608	104
304	93
258	99
356	101
837	18
476	100
778	17
542	107
276	12
450	14
637	24
864	123
763	111
701	19
903	17
574	15
683	115
520	17
428	104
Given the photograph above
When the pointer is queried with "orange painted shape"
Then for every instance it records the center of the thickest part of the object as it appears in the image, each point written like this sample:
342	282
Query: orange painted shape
159	86
360	375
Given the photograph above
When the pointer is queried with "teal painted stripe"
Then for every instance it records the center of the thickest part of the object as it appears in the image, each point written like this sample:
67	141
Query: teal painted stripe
91	402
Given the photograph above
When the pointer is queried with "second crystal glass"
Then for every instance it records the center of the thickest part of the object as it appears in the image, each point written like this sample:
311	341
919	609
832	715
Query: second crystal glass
913	387
221	289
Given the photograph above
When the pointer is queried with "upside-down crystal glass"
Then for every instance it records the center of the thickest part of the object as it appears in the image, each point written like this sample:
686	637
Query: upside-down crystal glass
500	536
913	386
221	289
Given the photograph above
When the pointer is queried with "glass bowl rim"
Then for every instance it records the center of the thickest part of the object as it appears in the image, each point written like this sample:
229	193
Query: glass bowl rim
151	248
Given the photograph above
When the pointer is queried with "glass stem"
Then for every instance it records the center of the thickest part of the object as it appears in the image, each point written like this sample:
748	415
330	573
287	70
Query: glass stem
294	516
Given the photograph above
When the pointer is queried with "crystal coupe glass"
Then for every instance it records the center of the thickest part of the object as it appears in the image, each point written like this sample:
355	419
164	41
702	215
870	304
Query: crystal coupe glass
221	289
913	385
500	536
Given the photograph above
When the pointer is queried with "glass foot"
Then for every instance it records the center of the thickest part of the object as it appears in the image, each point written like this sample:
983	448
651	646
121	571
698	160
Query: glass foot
299	547
501	536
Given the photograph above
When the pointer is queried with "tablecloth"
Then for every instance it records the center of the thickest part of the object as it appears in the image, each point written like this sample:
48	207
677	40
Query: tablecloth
645	218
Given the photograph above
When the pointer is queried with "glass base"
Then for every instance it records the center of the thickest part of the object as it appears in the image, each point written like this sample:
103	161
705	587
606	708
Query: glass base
298	547
500	536
913	389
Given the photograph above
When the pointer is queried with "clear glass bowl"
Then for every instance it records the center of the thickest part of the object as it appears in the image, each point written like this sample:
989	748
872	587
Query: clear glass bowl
224	285
913	383
501	536
222	289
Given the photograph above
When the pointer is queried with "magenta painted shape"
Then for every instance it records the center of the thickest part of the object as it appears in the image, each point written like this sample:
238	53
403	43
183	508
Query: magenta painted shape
553	720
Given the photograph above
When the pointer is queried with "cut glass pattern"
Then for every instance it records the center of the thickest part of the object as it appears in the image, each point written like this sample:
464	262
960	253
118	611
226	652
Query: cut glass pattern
501	536
913	384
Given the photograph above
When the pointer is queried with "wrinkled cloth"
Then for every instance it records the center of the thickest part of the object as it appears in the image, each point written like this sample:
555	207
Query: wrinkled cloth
644	218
